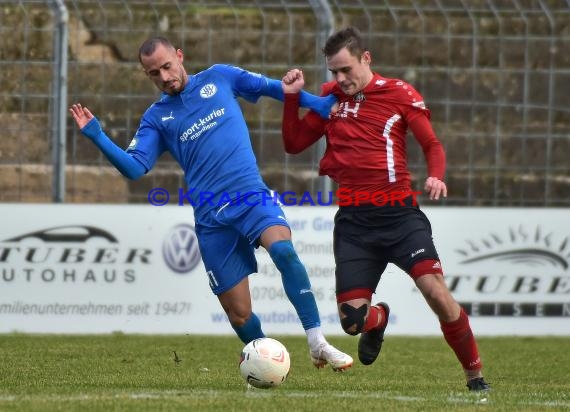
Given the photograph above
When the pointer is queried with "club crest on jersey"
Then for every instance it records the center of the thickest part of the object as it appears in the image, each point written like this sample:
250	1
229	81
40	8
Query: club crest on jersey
208	91
359	97
421	105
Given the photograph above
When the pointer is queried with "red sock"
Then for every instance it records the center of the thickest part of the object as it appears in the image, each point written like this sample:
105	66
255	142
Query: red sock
459	337
376	318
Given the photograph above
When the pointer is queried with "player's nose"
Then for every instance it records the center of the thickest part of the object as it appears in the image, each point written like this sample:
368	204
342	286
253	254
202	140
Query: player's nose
164	76
340	77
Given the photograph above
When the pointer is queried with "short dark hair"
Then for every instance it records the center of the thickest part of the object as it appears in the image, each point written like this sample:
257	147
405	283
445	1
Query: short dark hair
350	38
149	46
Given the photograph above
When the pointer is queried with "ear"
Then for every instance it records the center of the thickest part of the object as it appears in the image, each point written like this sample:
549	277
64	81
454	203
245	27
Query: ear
179	55
366	57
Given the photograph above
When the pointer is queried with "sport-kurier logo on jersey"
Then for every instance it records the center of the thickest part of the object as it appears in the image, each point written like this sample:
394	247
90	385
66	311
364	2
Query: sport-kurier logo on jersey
208	91
180	249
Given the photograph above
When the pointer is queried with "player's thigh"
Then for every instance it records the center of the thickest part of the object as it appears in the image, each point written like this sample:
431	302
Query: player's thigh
415	248
357	266
256	217
228	257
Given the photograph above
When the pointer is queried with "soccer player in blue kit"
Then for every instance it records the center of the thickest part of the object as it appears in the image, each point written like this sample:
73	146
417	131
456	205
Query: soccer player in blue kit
199	121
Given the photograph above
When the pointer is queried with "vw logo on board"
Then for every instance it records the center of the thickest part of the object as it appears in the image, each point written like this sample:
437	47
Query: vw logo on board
180	249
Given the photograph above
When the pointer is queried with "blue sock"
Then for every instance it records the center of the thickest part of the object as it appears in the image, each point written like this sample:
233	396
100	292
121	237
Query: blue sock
250	330
296	282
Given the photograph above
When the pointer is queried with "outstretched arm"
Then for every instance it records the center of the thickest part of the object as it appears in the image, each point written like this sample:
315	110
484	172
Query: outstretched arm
298	134
251	86
321	105
90	127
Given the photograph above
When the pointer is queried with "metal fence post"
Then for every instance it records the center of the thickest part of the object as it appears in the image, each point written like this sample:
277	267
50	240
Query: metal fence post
59	100
325	18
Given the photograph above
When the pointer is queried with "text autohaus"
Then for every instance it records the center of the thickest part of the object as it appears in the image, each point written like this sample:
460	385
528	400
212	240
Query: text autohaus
56	262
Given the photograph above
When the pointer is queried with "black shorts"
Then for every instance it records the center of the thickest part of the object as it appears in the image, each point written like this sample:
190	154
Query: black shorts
367	238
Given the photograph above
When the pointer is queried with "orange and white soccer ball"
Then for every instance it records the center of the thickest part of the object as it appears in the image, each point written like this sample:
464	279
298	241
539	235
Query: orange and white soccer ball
264	363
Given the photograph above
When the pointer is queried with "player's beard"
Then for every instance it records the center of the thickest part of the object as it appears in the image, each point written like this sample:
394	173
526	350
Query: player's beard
172	87
350	89
175	85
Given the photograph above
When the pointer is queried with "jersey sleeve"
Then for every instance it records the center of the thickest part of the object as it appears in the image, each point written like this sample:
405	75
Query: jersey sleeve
431	146
298	134
245	84
123	161
312	123
417	117
146	146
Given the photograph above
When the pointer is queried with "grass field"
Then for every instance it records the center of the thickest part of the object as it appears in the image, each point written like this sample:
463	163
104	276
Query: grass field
140	373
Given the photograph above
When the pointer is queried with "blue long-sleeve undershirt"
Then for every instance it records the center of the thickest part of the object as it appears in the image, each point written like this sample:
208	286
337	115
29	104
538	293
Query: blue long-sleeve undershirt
124	162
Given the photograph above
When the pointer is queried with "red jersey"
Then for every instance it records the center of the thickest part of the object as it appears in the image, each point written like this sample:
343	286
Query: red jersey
366	137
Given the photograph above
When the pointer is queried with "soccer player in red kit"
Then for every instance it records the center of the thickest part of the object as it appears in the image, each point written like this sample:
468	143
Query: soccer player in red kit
366	153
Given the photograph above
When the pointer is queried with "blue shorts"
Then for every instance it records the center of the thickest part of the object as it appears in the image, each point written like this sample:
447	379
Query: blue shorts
229	235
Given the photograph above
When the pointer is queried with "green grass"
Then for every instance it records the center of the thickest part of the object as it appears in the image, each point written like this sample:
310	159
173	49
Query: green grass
139	373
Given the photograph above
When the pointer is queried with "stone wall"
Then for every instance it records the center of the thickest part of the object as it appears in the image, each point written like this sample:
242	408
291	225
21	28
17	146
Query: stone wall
496	85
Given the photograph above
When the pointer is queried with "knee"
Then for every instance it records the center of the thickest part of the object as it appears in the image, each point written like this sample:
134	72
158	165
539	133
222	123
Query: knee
352	319
441	301
238	316
437	295
433	289
283	254
238	320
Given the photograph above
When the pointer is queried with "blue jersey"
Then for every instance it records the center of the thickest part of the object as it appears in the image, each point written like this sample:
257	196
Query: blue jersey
204	129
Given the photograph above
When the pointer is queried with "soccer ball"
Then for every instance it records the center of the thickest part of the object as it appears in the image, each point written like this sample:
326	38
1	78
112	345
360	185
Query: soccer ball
264	363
